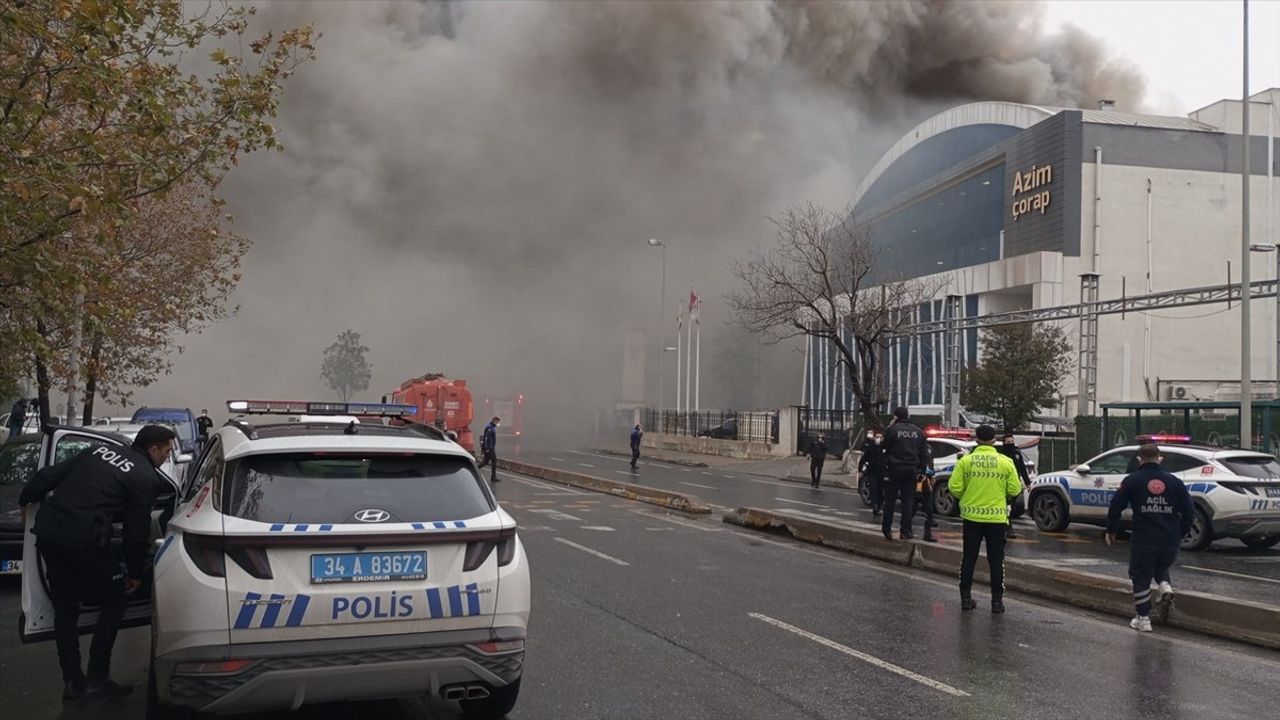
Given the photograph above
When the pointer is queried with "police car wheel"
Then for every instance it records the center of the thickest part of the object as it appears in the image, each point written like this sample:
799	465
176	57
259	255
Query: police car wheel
1262	543
1019	508
1201	534
944	503
1049	512
159	711
500	702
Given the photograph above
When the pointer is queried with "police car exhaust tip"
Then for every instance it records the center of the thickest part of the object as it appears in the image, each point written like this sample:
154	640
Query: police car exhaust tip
464	691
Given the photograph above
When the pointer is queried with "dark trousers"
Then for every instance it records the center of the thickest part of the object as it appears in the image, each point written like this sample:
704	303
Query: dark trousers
815	470
635	457
975	533
926	500
76	577
900	484
490	458
1147	563
876	485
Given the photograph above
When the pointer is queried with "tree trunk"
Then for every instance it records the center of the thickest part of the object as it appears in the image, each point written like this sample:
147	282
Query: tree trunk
91	378
42	377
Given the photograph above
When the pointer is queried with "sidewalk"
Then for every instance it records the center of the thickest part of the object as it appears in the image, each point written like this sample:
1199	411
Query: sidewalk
793	469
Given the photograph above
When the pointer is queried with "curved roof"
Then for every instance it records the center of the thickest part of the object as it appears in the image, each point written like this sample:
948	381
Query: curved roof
1010	114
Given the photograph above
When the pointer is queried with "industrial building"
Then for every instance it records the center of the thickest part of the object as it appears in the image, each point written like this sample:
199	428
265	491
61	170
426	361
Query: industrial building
1008	205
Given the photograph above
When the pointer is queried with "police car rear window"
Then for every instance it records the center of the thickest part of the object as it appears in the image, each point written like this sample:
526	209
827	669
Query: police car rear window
1254	467
322	488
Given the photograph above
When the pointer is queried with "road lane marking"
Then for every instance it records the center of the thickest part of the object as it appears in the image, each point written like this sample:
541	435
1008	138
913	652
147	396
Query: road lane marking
628	473
704	472
586	465
598	528
707	487
871	659
588	550
556	514
685	470
728	477
556	459
674	521
801	502
1232	574
559	489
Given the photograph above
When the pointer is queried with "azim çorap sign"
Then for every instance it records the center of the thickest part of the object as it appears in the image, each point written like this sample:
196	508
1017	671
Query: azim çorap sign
1031	190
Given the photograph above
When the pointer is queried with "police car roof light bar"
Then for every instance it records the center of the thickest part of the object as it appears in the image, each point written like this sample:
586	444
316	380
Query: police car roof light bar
1160	438
945	432
303	407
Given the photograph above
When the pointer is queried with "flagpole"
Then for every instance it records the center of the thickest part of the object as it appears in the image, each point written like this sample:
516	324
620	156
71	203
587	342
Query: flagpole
697	364
688	363
679	362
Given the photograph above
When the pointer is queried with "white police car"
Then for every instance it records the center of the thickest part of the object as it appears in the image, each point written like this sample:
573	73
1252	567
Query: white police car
1236	492
311	562
948	445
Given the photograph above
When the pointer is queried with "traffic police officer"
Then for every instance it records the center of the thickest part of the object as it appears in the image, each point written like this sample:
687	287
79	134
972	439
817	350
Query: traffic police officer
1162	516
907	457
983	482
73	529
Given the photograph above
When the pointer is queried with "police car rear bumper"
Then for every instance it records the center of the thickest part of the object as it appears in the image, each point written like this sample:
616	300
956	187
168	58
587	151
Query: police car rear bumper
287	675
1248	526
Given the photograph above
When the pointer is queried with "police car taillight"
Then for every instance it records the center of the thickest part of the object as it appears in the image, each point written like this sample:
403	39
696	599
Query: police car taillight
207	554
309	407
507	550
1165	439
498	647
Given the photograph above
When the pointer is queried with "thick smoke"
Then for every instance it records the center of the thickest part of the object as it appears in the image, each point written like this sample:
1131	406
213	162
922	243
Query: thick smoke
471	185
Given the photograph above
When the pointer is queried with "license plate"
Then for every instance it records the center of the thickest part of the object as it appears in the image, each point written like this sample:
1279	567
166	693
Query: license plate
1273	492
368	567
10	567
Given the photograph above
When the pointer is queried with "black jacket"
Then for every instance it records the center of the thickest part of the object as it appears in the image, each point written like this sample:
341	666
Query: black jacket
818	450
872	460
636	435
1162	509
87	492
1019	463
489	438
905	446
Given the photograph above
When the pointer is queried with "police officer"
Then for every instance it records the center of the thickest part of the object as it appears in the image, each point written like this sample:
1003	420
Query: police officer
203	424
637	434
73	536
817	457
1162	515
983	482
1009	448
906	457
17	418
489	447
871	465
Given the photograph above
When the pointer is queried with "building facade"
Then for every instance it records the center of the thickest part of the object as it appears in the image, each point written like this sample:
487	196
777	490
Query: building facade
1008	205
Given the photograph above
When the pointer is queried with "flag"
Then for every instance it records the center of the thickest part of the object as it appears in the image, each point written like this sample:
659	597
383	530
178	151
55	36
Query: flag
693	300
679	317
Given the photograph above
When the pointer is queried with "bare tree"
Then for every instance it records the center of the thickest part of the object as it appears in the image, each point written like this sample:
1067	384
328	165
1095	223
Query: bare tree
821	279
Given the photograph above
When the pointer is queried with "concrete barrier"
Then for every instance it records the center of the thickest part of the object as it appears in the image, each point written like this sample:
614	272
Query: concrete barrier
654	496
1215	615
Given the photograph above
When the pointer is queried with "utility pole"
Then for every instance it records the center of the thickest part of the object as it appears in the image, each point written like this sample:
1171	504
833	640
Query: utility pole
1246	297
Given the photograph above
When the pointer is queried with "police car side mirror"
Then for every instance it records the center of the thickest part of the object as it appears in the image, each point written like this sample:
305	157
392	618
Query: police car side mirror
452	435
1083	468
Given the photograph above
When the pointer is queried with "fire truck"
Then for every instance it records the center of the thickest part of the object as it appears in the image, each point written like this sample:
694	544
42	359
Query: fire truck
439	398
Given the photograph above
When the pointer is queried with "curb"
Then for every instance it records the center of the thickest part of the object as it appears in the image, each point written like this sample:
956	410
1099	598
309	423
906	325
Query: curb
826	482
656	458
1215	615
653	496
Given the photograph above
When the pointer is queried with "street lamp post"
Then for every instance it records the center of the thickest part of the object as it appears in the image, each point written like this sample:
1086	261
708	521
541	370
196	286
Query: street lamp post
662	328
1246	294
1275	248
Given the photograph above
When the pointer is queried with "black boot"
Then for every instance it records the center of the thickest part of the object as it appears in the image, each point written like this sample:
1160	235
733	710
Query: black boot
967	603
888	534
997	606
73	690
99	688
928	536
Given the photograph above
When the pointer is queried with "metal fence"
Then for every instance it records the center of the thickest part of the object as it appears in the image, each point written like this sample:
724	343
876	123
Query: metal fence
842	428
752	426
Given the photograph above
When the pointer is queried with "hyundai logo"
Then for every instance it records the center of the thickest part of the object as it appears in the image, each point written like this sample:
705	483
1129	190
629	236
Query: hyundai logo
373	515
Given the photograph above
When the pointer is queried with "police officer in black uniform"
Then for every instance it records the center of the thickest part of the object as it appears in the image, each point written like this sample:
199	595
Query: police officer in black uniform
73	529
817	458
871	465
907	457
1009	448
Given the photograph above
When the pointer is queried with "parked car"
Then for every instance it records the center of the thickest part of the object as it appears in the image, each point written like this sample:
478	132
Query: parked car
727	430
182	420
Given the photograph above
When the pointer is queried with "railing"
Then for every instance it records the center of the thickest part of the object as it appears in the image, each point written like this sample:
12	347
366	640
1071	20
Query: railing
755	426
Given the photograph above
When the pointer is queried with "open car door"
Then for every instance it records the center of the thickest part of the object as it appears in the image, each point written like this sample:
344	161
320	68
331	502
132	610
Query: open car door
36	622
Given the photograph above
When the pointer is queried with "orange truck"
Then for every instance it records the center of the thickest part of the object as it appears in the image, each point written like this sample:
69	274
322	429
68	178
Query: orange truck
437	397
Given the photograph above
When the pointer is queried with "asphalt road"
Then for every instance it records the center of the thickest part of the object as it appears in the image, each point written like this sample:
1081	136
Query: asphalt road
1227	568
639	613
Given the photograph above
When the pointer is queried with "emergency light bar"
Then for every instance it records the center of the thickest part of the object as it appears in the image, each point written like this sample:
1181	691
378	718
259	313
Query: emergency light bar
303	407
1168	439
955	433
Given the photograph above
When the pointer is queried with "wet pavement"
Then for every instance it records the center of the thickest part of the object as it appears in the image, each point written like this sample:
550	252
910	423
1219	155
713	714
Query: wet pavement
1227	568
640	613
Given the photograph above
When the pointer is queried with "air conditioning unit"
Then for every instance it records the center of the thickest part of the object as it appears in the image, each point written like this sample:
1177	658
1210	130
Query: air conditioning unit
1181	392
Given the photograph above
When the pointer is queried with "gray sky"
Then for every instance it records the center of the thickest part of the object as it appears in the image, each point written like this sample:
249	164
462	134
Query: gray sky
1189	50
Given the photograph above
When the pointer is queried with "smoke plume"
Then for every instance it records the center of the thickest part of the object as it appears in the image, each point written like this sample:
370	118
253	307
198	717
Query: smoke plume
471	185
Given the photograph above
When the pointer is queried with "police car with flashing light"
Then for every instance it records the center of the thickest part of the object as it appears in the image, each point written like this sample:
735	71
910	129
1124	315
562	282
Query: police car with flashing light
1236	493
948	445
310	562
